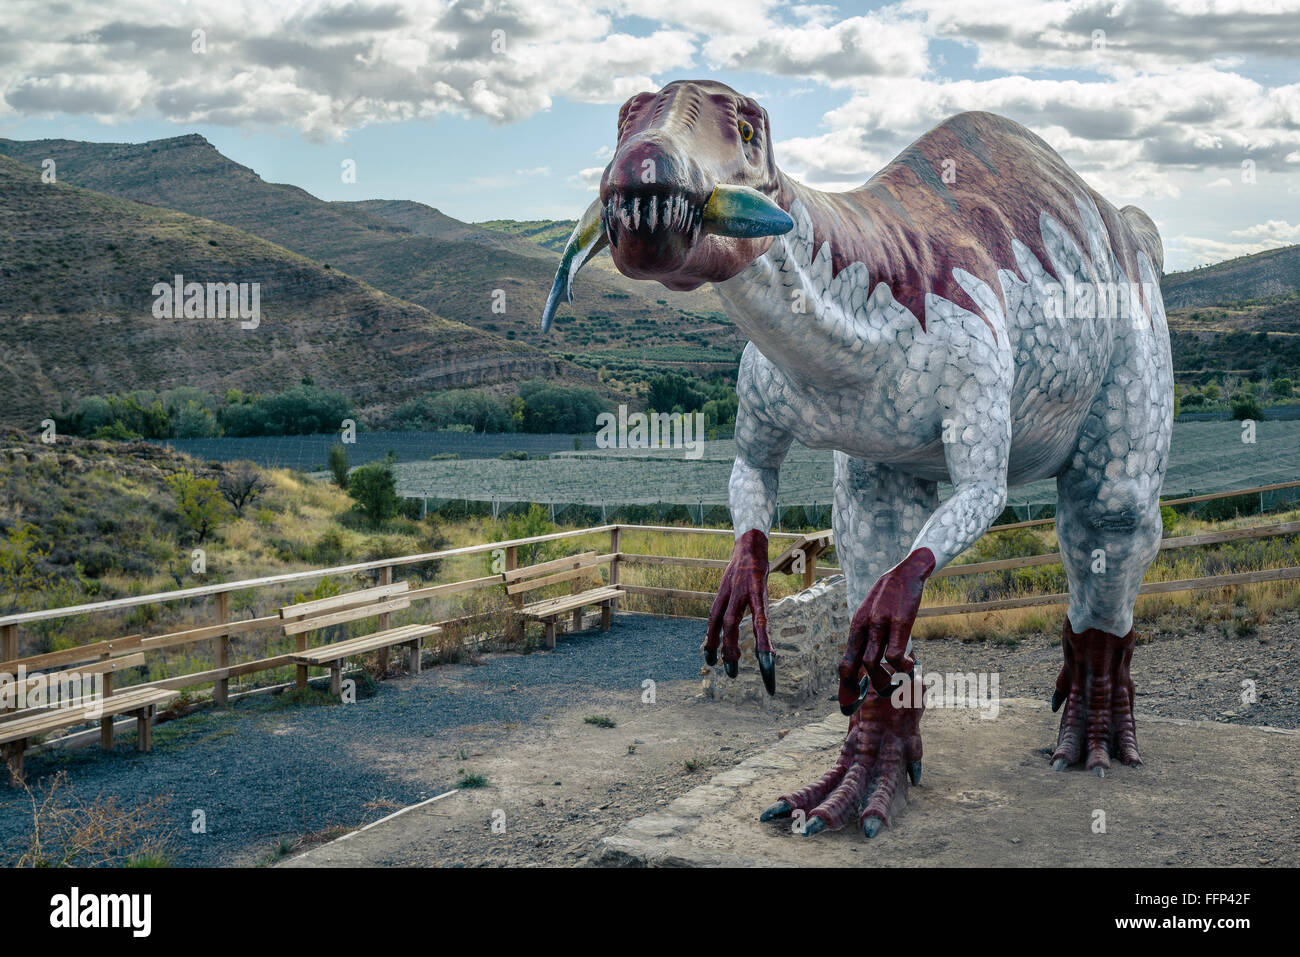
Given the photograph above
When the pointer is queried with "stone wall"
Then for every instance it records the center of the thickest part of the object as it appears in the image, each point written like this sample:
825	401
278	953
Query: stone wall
808	631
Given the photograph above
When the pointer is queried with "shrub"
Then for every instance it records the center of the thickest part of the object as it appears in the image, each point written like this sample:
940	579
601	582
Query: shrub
338	464
374	487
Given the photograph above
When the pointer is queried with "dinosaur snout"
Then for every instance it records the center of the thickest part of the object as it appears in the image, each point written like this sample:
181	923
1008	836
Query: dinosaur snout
653	197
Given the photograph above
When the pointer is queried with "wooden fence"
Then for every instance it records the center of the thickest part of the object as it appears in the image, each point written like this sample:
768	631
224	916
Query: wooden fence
222	627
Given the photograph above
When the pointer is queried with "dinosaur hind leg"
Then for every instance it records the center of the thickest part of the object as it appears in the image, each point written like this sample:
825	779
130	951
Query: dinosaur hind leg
1109	528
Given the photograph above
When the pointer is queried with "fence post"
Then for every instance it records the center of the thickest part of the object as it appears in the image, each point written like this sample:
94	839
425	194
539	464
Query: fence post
614	546
8	652
221	688
512	562
810	554
8	643
385	620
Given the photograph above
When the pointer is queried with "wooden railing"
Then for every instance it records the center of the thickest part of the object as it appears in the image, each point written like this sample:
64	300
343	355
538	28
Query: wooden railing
222	627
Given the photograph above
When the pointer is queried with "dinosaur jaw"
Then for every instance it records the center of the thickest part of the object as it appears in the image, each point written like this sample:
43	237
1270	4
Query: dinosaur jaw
671	236
653	234
683	239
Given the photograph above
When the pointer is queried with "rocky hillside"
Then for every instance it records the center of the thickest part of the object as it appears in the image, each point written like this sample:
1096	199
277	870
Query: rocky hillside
1274	272
77	272
406	249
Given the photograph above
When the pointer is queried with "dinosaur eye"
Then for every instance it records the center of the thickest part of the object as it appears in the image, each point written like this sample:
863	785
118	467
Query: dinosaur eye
746	131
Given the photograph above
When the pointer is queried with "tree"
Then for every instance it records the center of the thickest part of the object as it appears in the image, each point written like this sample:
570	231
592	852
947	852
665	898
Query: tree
1246	406
193	421
241	484
199	503
374	487
1282	388
20	558
339	465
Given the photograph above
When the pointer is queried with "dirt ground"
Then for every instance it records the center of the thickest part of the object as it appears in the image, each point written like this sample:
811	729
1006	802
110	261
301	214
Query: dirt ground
1210	794
563	784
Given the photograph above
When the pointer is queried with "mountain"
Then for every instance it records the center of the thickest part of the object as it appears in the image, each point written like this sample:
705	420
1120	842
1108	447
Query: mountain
488	279
550	234
77	277
1274	272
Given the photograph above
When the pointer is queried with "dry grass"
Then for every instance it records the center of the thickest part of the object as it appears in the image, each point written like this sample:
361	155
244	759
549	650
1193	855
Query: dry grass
68	831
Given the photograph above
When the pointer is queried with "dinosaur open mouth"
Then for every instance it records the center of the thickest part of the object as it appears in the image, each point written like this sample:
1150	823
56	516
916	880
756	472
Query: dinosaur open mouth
651	232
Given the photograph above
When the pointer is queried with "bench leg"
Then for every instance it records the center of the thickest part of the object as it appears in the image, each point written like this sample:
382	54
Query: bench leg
144	729
577	620
550	633
14	758
383	662
606	615
336	679
302	677
106	733
413	657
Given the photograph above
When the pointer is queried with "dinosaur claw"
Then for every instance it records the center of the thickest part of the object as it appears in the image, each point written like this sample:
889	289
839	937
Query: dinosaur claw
1060	764
1058	698
871	826
779	809
732	668
913	774
767	668
710	656
864	689
815	825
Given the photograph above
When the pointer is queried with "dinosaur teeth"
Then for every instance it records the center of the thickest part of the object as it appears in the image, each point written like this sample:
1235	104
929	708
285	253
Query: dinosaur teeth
650	214
636	213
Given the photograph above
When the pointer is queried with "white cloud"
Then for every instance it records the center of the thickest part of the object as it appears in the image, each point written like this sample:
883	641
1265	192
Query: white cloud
323	67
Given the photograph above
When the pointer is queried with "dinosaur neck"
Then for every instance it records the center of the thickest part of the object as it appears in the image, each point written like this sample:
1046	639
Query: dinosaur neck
808	302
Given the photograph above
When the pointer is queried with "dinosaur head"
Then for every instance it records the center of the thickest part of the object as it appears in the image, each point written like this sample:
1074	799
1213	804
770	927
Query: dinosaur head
688	195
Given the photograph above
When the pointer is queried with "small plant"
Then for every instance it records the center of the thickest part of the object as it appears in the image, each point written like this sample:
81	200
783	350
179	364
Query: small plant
471	781
692	764
599	720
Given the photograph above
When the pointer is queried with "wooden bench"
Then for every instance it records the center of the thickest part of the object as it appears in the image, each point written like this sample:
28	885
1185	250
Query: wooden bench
77	696
308	616
573	569
802	554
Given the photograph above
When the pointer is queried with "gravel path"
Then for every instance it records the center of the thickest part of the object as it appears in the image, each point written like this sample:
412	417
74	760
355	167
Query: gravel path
260	770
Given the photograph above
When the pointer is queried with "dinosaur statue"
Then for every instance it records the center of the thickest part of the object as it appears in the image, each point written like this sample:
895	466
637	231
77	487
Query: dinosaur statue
974	313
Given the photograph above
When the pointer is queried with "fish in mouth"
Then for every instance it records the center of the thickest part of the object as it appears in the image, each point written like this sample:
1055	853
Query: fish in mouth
689	196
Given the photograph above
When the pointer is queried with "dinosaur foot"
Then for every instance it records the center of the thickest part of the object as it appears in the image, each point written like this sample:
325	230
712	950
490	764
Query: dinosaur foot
1095	687
882	750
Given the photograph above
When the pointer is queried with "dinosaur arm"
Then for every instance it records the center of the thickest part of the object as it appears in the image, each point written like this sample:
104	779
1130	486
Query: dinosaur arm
760	450
976	450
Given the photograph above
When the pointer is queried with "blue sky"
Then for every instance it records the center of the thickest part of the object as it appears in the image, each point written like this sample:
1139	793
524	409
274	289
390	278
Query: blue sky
1162	112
